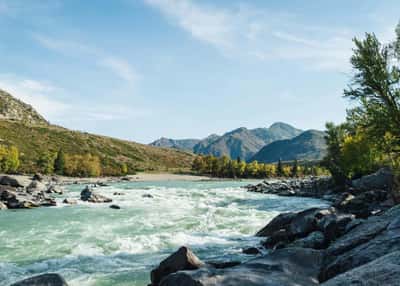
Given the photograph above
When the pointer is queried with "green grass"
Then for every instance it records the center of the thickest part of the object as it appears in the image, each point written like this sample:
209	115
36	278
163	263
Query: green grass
34	140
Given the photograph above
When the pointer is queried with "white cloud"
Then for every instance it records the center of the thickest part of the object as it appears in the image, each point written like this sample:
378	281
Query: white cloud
266	35
120	67
39	94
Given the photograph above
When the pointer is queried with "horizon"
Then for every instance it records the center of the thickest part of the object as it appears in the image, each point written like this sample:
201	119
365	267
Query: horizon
145	69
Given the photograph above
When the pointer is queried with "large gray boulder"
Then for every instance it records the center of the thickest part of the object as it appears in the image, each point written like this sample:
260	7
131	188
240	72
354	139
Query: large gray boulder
50	279
369	240
283	267
89	195
12	181
279	222
315	240
379	272
382	180
183	259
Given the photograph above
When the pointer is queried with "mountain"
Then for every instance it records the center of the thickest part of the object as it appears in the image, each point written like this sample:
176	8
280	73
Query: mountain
23	127
309	145
14	109
182	144
244	143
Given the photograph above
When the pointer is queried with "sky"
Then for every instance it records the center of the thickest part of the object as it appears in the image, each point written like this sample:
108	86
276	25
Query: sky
143	69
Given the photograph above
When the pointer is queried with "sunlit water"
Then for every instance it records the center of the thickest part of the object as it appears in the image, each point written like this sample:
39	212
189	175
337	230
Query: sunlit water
91	244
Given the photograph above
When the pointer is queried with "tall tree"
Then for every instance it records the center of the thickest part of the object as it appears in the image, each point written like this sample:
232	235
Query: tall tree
295	169
279	169
59	163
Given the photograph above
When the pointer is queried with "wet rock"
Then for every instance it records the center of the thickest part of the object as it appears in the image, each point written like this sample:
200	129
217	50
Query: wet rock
50	279
70	201
116	207
36	187
12	181
147	196
279	222
223	264
284	267
315	240
334	225
38	177
183	259
281	237
373	238
89	195
118	194
3	206
382	271
251	251
382	179
54	190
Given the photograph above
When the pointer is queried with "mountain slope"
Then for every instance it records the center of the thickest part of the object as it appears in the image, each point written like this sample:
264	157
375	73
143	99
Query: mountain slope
14	109
33	136
182	144
244	143
309	145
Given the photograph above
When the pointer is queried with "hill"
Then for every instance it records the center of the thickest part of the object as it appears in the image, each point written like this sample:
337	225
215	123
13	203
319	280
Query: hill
14	109
309	145
34	137
181	144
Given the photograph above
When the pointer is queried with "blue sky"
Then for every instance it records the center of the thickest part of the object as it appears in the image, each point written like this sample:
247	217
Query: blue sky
142	69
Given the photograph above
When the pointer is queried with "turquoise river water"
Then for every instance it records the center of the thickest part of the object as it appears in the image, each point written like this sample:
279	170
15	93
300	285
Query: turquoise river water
91	244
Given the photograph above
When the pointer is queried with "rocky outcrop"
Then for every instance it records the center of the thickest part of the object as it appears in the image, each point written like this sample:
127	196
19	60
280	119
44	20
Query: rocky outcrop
317	187
382	271
183	259
380	180
88	195
284	267
49	279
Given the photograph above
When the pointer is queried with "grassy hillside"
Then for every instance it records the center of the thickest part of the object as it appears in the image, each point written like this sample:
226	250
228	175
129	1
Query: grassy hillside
34	140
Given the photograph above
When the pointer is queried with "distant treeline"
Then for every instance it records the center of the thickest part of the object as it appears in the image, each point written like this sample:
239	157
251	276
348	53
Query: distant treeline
223	167
75	165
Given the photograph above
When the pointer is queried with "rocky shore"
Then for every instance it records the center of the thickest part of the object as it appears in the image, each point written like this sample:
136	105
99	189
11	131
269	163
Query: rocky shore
355	241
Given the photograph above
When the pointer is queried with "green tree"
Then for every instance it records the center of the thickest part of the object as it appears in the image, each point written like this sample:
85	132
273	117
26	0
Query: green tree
45	163
294	172
59	163
279	169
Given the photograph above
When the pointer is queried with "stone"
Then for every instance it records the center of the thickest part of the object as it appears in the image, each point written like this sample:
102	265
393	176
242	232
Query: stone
147	196
118	194
116	207
315	240
89	195
281	236
283	267
334	225
36	186
12	181
54	190
382	179
50	279
382	271
303	223
223	264
70	201
3	206
251	251
279	222
182	259
38	177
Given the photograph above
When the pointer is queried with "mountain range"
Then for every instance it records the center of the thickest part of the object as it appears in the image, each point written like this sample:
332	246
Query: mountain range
279	141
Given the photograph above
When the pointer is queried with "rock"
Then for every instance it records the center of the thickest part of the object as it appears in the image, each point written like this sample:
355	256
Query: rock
3	206
183	259
50	279
251	251
117	207
334	225
118	194
90	196
125	179
382	179
282	237
147	196
70	201
279	222
223	264
12	181
38	177
303	223
284	267
382	271
315	240
373	238
36	187
54	190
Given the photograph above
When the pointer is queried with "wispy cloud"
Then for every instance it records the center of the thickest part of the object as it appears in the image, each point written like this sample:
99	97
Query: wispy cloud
119	67
244	30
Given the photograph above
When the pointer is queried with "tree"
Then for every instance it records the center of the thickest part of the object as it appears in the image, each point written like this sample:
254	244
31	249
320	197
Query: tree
279	169
294	170
45	163
9	159
59	163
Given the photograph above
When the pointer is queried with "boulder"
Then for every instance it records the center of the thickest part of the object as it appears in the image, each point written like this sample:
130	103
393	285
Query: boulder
183	259
36	187
147	196
279	222
281	237
89	195
38	177
334	225
284	267
70	201
54	190
118	194
3	206
382	271
223	264
382	179
315	240
13	181
304	222
50	279
251	251
371	239
116	207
